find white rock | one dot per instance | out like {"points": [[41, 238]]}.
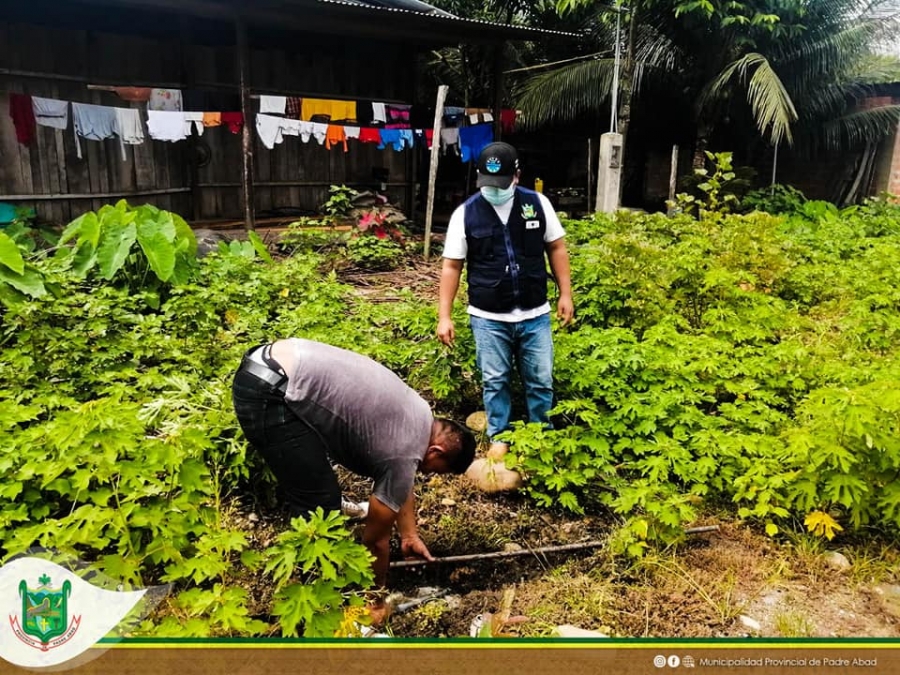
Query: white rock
{"points": [[749, 623], [446, 501], [570, 631], [511, 546], [836, 560]]}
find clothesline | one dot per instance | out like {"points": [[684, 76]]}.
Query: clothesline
{"points": [[330, 122]]}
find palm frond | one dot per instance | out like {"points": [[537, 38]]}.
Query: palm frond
{"points": [[861, 126], [772, 107], [563, 94]]}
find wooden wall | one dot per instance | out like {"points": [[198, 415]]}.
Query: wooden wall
{"points": [[58, 58]]}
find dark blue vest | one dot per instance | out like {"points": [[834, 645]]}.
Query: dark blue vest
{"points": [[506, 264]]}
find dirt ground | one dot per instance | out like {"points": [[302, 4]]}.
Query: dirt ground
{"points": [[735, 581]]}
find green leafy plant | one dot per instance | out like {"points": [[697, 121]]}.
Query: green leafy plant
{"points": [[374, 253], [339, 203]]}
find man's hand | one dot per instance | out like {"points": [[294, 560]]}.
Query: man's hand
{"points": [[413, 547], [565, 309], [446, 332]]}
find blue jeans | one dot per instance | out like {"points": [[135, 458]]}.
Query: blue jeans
{"points": [[531, 344]]}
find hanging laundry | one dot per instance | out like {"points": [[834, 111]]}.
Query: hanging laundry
{"points": [[472, 140], [306, 129], [165, 99], [290, 127], [352, 132], [395, 138], [453, 116], [272, 104], [487, 117], [378, 113], [212, 119], [508, 120], [93, 122], [397, 113], [292, 108], [129, 128], [197, 119], [319, 132], [166, 125], [369, 135], [364, 113], [473, 118], [269, 129], [133, 94], [450, 140], [234, 121], [50, 112], [335, 135], [406, 138], [21, 110], [335, 110], [425, 136]]}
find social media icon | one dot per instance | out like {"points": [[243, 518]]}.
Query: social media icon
{"points": [[659, 661], [674, 661], [688, 662]]}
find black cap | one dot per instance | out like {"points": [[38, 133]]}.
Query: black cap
{"points": [[497, 165]]}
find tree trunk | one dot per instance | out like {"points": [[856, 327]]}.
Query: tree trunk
{"points": [[700, 147]]}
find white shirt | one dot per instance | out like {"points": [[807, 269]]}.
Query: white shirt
{"points": [[456, 248]]}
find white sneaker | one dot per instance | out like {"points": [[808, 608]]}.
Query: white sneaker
{"points": [[354, 510]]}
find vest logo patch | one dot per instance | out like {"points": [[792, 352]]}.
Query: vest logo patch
{"points": [[528, 211], [532, 224]]}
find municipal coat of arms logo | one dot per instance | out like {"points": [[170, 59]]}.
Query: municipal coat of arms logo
{"points": [[44, 617], [528, 211]]}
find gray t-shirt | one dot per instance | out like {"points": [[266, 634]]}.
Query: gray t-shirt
{"points": [[372, 422]]}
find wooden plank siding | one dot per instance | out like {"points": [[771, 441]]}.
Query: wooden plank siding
{"points": [[71, 57]]}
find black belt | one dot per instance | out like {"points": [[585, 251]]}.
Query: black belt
{"points": [[276, 378]]}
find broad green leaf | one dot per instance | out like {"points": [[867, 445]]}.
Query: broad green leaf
{"points": [[10, 254], [115, 246], [260, 247], [158, 248], [30, 282]]}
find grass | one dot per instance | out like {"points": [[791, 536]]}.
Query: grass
{"points": [[793, 623]]}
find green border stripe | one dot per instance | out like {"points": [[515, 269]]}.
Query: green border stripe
{"points": [[511, 643]]}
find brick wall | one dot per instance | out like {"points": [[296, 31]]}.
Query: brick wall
{"points": [[893, 183]]}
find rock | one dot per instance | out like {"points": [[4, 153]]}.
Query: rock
{"points": [[511, 546], [493, 477], [477, 421], [446, 501], [890, 594], [569, 631], [253, 518], [749, 623], [497, 451], [836, 560], [208, 241]]}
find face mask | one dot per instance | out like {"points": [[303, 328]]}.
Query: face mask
{"points": [[498, 196]]}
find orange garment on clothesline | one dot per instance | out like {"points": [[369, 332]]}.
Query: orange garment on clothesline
{"points": [[212, 119], [336, 110], [335, 135]]}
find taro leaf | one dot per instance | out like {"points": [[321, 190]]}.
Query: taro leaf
{"points": [[159, 249], [84, 259], [74, 228], [10, 254], [115, 246], [184, 232], [30, 282]]}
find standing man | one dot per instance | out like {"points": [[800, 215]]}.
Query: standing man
{"points": [[303, 405], [503, 232]]}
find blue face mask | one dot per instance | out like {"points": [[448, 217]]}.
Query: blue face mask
{"points": [[496, 195]]}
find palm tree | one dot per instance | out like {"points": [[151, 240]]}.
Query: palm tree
{"points": [[802, 66]]}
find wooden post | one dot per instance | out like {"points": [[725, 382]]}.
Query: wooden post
{"points": [[673, 173], [589, 159], [432, 171], [247, 194], [187, 76]]}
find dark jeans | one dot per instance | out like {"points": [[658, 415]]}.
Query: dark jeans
{"points": [[292, 449]]}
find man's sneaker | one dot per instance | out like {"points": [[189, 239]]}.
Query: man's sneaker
{"points": [[354, 510]]}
